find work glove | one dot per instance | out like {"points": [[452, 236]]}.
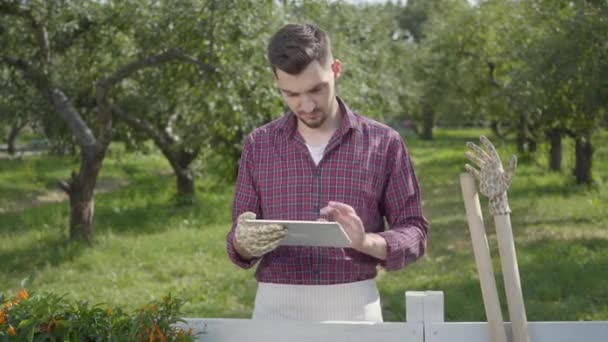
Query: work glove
{"points": [[493, 179], [255, 238]]}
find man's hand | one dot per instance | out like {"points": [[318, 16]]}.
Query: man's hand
{"points": [[493, 179], [346, 216], [257, 239]]}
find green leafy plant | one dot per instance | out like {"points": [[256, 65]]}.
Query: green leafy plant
{"points": [[50, 317]]}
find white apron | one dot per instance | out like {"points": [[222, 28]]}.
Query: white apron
{"points": [[358, 301]]}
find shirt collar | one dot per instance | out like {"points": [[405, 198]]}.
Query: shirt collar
{"points": [[288, 123]]}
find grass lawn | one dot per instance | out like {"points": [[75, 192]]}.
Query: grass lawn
{"points": [[146, 247]]}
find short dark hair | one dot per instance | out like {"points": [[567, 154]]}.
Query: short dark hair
{"points": [[295, 46]]}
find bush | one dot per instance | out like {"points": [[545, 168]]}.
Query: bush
{"points": [[49, 317]]}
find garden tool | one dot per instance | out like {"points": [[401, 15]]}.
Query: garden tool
{"points": [[493, 183]]}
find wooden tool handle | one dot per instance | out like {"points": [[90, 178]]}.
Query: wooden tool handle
{"points": [[510, 271], [483, 258]]}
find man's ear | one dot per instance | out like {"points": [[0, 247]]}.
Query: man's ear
{"points": [[336, 68]]}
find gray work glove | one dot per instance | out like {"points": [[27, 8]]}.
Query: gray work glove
{"points": [[493, 179], [258, 239]]}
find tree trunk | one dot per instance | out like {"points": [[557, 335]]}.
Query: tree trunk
{"points": [[521, 135], [495, 127], [185, 186], [532, 145], [584, 153], [81, 192], [82, 209], [180, 163], [555, 153], [12, 137], [428, 121]]}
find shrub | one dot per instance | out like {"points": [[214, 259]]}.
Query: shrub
{"points": [[50, 317]]}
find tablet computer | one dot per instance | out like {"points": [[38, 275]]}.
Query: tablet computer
{"points": [[311, 233]]}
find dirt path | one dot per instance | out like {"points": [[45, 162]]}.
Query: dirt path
{"points": [[54, 196]]}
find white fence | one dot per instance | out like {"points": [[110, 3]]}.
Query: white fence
{"points": [[424, 315]]}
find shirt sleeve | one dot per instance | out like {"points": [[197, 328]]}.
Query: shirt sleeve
{"points": [[406, 237], [245, 199]]}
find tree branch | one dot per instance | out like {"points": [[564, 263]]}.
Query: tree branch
{"points": [[30, 72], [493, 81], [211, 32], [142, 125], [42, 37], [70, 115], [60, 101], [103, 86]]}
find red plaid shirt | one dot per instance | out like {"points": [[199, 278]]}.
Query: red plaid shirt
{"points": [[365, 165]]}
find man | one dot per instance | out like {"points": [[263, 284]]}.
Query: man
{"points": [[322, 161]]}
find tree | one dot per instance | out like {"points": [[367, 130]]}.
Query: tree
{"points": [[564, 69], [367, 41], [192, 115], [53, 29], [437, 31], [18, 106]]}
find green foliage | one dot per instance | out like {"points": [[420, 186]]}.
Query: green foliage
{"points": [[367, 41], [50, 317]]}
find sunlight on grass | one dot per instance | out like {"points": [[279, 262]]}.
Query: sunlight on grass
{"points": [[146, 246]]}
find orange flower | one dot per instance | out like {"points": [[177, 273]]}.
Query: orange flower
{"points": [[23, 294], [2, 317], [7, 305], [11, 331], [152, 308]]}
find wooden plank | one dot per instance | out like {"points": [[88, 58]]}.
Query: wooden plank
{"points": [[433, 306], [596, 331], [227, 330], [414, 306]]}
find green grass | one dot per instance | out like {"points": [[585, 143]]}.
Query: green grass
{"points": [[147, 247]]}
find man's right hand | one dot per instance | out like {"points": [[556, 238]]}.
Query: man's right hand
{"points": [[256, 240]]}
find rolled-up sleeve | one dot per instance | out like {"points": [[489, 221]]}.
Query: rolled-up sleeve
{"points": [[401, 204], [245, 199]]}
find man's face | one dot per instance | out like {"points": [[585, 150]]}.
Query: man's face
{"points": [[310, 94]]}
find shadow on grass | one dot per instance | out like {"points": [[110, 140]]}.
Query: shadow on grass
{"points": [[150, 208], [21, 262], [547, 190]]}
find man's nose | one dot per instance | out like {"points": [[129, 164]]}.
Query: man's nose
{"points": [[307, 105]]}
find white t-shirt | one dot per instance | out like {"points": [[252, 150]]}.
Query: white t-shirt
{"points": [[316, 152]]}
